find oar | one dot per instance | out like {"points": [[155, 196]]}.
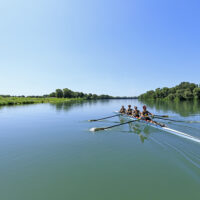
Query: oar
{"points": [[161, 115], [93, 120], [169, 119], [104, 128], [172, 120]]}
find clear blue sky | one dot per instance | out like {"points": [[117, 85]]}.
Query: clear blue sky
{"points": [[116, 47]]}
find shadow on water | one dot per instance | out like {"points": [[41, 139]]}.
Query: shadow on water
{"points": [[184, 108]]}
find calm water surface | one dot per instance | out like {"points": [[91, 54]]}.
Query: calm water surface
{"points": [[47, 152]]}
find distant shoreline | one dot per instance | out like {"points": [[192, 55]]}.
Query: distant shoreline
{"points": [[13, 100], [59, 96]]}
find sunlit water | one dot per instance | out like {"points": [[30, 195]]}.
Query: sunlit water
{"points": [[47, 152]]}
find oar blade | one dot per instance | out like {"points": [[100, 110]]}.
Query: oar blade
{"points": [[96, 129], [92, 120], [161, 115]]}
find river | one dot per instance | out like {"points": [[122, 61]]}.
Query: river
{"points": [[47, 152]]}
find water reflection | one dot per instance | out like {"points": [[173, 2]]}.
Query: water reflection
{"points": [[66, 106], [142, 131], [185, 108], [138, 130]]}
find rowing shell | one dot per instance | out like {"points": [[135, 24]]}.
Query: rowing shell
{"points": [[165, 128]]}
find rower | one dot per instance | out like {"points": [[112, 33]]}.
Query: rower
{"points": [[145, 115], [129, 110], [136, 112], [122, 110]]}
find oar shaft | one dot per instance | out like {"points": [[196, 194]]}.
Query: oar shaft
{"points": [[110, 116], [172, 120], [119, 124], [168, 119], [161, 115], [104, 118], [103, 128]]}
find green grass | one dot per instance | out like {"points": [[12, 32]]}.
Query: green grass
{"points": [[29, 100]]}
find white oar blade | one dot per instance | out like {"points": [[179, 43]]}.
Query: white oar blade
{"points": [[97, 129], [93, 129]]}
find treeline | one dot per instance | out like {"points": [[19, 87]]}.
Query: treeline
{"points": [[183, 91], [67, 93]]}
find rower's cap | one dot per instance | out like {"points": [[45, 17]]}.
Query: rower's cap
{"points": [[144, 107]]}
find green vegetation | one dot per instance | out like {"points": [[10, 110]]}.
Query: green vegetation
{"points": [[59, 96], [31, 100], [67, 93], [183, 91]]}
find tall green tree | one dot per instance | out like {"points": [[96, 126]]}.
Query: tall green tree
{"points": [[67, 93], [59, 93], [188, 95], [179, 94], [171, 97], [196, 93]]}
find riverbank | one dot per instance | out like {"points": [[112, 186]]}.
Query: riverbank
{"points": [[183, 92], [4, 101]]}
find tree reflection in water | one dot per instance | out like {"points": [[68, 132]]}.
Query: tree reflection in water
{"points": [[183, 108]]}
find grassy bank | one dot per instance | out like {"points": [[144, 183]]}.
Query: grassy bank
{"points": [[31, 100]]}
